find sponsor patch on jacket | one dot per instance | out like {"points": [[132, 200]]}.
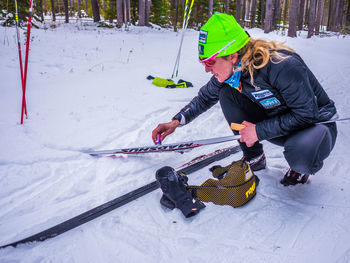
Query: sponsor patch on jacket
{"points": [[261, 94], [270, 103], [203, 37]]}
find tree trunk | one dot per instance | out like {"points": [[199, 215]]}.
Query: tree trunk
{"points": [[134, 7], [253, 13], [342, 14], [211, 4], [247, 9], [120, 16], [285, 11], [268, 16], [331, 12], [262, 2], [277, 13], [95, 10], [306, 12], [227, 6], [312, 17], [86, 6], [176, 16], [66, 11], [112, 6], [337, 15], [334, 16], [79, 8], [319, 16], [148, 10], [53, 10], [347, 20], [238, 11], [39, 9], [45, 7], [71, 9], [293, 16], [142, 12], [243, 13], [128, 12], [146, 14], [124, 14], [301, 14]]}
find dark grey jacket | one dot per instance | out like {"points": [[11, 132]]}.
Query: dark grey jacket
{"points": [[287, 92]]}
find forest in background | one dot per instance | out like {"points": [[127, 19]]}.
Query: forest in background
{"points": [[315, 16]]}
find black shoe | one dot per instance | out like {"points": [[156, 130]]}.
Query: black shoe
{"points": [[166, 202], [293, 178], [174, 187], [257, 163]]}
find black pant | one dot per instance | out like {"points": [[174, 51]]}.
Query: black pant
{"points": [[305, 149]]}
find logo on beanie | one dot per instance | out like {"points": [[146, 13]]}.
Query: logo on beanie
{"points": [[201, 49], [203, 37]]}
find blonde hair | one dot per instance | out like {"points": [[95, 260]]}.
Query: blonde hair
{"points": [[257, 53]]}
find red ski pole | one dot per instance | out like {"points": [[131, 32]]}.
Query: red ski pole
{"points": [[24, 106], [20, 56]]}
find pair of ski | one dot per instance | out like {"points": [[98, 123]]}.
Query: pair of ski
{"points": [[182, 147], [174, 147], [186, 168]]}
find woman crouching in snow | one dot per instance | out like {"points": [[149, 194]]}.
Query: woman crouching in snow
{"points": [[268, 88]]}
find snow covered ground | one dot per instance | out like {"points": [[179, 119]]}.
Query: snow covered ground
{"points": [[87, 88]]}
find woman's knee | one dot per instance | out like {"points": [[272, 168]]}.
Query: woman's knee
{"points": [[306, 150]]}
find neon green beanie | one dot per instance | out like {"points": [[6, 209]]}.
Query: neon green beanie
{"points": [[217, 32]]}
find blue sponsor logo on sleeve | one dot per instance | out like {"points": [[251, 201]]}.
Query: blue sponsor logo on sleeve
{"points": [[270, 103], [261, 94]]}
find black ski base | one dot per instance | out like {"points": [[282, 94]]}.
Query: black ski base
{"points": [[85, 217]]}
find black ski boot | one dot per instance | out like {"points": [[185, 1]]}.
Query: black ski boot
{"points": [[174, 190], [293, 178], [166, 202], [258, 163]]}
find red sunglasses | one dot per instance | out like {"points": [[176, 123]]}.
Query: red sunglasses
{"points": [[210, 61]]}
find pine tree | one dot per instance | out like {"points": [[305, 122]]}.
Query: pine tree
{"points": [[142, 12], [120, 16], [319, 16], [211, 7], [227, 7], [347, 20], [95, 10], [110, 12], [277, 13], [301, 14], [8, 8], [312, 18], [243, 13], [159, 10], [79, 8], [238, 10], [293, 16], [53, 10], [253, 13], [66, 11], [268, 16], [262, 3]]}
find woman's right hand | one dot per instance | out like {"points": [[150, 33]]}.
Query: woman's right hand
{"points": [[165, 129]]}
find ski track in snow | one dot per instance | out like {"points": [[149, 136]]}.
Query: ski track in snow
{"points": [[87, 90]]}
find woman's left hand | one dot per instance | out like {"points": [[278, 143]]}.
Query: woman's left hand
{"points": [[248, 134]]}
